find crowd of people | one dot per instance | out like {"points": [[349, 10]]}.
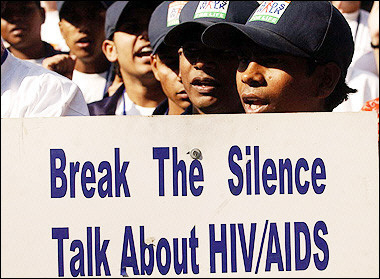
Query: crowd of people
{"points": [[79, 58]]}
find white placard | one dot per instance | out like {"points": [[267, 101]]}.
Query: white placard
{"points": [[270, 195]]}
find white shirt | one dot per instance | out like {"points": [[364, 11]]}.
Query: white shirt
{"points": [[91, 85], [36, 61], [50, 31], [124, 104], [362, 74], [28, 90], [364, 57]]}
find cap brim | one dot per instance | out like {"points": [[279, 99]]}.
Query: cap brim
{"points": [[113, 16], [157, 43], [60, 4], [230, 35], [183, 32]]}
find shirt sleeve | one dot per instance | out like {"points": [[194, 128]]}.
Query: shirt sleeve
{"points": [[58, 96]]}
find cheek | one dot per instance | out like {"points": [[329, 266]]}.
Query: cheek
{"points": [[124, 50], [168, 79], [4, 27], [290, 92], [184, 69], [228, 67], [125, 44], [239, 84], [36, 21], [278, 79], [100, 36], [67, 33], [167, 76]]}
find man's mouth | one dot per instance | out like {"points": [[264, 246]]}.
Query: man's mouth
{"points": [[18, 30], [205, 85], [182, 94], [254, 104], [84, 42], [144, 52]]}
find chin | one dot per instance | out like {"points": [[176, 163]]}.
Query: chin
{"points": [[149, 78]]}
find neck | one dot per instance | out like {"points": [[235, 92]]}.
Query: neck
{"points": [[351, 16], [35, 51], [197, 110], [237, 108], [93, 66], [2, 47], [174, 109], [144, 94]]}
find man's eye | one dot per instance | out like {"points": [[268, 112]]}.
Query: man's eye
{"points": [[170, 61], [243, 59], [192, 52], [269, 61], [130, 28], [243, 63], [229, 52], [193, 46], [192, 49]]}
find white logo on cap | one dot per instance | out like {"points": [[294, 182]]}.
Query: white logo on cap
{"points": [[270, 11], [174, 11], [215, 9]]}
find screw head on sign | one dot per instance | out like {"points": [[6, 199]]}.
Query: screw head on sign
{"points": [[195, 153]]}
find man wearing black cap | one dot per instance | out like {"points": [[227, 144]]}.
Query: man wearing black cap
{"points": [[293, 56], [164, 59], [128, 46], [208, 75]]}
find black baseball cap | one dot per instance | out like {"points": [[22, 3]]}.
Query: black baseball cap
{"points": [[310, 29], [62, 5], [198, 15], [164, 18], [118, 8]]}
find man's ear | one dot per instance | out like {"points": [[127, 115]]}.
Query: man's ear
{"points": [[43, 15], [109, 50], [180, 53], [328, 77], [61, 28], [153, 61]]}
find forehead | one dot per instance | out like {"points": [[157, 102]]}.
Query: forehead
{"points": [[15, 6], [74, 9], [167, 51], [248, 47], [135, 14]]}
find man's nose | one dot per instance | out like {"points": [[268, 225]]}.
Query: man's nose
{"points": [[144, 35], [205, 60], [253, 75]]}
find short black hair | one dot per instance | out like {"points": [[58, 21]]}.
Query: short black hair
{"points": [[340, 93], [4, 5]]}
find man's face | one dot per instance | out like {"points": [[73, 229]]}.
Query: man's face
{"points": [[208, 76], [347, 6], [21, 23], [165, 68], [269, 82], [132, 44], [82, 27]]}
